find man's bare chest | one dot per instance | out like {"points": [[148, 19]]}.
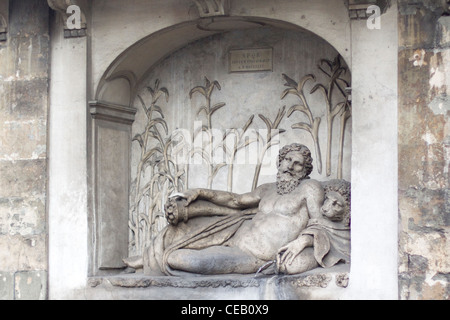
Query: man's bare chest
{"points": [[286, 205]]}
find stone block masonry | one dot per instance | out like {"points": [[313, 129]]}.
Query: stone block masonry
{"points": [[424, 107], [24, 76]]}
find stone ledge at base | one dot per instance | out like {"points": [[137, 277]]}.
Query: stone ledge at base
{"points": [[319, 284]]}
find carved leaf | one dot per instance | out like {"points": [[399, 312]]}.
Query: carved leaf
{"points": [[337, 62], [304, 80], [315, 127], [156, 84], [337, 73], [266, 121], [144, 107], [152, 134], [249, 122], [247, 143], [152, 92], [327, 62], [198, 89], [289, 91], [207, 82], [346, 112], [180, 173], [303, 126], [202, 153], [337, 109], [346, 83], [139, 139], [202, 108], [319, 86], [150, 153], [297, 107], [160, 121], [163, 91], [157, 109], [210, 87], [279, 117], [217, 168], [166, 148], [289, 81], [217, 107]]}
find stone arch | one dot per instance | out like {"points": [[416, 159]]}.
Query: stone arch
{"points": [[131, 66]]}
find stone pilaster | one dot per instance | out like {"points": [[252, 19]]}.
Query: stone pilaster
{"points": [[110, 163]]}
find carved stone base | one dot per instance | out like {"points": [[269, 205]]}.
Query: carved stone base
{"points": [[319, 284]]}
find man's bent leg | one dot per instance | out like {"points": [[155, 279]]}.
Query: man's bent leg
{"points": [[214, 260]]}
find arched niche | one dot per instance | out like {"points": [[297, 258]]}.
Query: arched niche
{"points": [[135, 62], [123, 94]]}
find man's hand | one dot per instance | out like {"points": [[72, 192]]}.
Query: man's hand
{"points": [[190, 196], [288, 253]]}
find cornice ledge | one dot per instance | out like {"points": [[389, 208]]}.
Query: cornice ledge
{"points": [[103, 110]]}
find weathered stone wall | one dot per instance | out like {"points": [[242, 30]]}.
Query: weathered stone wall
{"points": [[23, 151], [424, 146]]}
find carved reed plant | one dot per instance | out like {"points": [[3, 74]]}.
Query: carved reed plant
{"points": [[209, 110], [268, 142], [297, 89], [343, 108], [240, 142], [166, 177]]}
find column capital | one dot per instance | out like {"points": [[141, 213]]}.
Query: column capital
{"points": [[357, 9], [70, 10]]}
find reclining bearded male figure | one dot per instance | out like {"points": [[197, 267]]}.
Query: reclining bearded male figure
{"points": [[217, 232]]}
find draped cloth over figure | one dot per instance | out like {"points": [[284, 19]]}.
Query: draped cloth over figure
{"points": [[220, 232], [331, 241], [198, 233]]}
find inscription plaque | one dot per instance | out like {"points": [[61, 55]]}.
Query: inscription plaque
{"points": [[251, 60]]}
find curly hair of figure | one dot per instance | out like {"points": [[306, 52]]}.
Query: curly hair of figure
{"points": [[306, 153]]}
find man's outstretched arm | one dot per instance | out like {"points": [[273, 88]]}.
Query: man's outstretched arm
{"points": [[223, 198]]}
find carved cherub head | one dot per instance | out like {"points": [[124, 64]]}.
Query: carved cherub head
{"points": [[337, 204]]}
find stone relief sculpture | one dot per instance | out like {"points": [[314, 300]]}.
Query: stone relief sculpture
{"points": [[159, 151], [293, 225]]}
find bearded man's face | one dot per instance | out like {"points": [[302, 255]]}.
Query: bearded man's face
{"points": [[291, 172]]}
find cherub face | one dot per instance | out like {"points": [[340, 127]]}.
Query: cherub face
{"points": [[334, 207]]}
